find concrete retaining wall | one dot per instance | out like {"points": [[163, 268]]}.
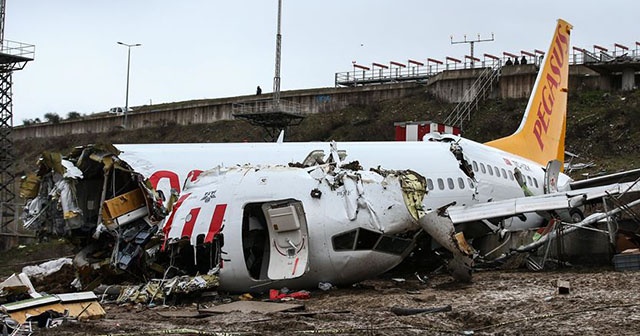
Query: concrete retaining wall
{"points": [[450, 86], [212, 110]]}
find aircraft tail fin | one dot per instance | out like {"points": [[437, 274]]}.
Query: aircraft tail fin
{"points": [[540, 136]]}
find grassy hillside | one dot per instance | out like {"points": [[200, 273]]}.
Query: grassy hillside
{"points": [[602, 127]]}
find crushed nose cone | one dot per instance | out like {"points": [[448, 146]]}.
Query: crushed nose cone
{"points": [[441, 229]]}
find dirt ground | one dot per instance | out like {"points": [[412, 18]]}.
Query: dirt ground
{"points": [[601, 301]]}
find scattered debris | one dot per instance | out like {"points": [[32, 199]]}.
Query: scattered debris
{"points": [[325, 286], [17, 287], [159, 289], [284, 295], [628, 260], [398, 281], [50, 311], [47, 268], [564, 287]]}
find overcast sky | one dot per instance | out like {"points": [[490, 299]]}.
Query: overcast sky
{"points": [[194, 49]]}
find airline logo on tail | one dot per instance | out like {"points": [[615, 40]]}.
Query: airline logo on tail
{"points": [[553, 75], [540, 136]]}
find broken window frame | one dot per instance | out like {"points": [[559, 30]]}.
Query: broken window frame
{"points": [[385, 243]]}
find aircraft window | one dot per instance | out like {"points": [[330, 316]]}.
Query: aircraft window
{"points": [[461, 182], [484, 171], [490, 170], [511, 175], [440, 184], [344, 241], [497, 171], [450, 183], [393, 245], [429, 184], [475, 166], [529, 179], [470, 183], [367, 239], [535, 182], [504, 174]]}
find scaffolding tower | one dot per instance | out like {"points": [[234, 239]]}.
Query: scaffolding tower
{"points": [[14, 56]]}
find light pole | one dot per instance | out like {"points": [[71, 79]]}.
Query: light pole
{"points": [[126, 102]]}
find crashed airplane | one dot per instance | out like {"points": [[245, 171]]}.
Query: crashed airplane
{"points": [[297, 214]]}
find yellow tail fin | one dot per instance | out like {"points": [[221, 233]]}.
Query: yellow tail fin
{"points": [[540, 136]]}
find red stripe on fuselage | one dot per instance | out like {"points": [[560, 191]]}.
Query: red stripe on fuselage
{"points": [[216, 222], [187, 230], [167, 225]]}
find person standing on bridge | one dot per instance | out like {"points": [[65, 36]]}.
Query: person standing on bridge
{"points": [[258, 91]]}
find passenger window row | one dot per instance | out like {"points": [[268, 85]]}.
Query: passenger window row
{"points": [[451, 184], [501, 172]]}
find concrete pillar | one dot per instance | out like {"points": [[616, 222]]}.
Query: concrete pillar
{"points": [[628, 79]]}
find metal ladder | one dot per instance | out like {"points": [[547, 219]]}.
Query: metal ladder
{"points": [[472, 97]]}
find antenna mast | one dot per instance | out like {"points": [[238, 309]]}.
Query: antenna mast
{"points": [[3, 5], [471, 43], [276, 78]]}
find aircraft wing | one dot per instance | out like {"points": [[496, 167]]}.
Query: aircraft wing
{"points": [[547, 202], [625, 176]]}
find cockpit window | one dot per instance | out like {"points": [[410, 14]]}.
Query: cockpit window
{"points": [[344, 241], [367, 240]]}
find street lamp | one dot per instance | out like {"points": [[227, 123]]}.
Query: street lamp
{"points": [[126, 103]]}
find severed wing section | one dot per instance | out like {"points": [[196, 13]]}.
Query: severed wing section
{"points": [[542, 203]]}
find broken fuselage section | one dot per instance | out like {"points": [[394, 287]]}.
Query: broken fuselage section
{"points": [[107, 210], [297, 227]]}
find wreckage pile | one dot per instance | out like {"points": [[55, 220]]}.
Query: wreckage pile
{"points": [[116, 226]]}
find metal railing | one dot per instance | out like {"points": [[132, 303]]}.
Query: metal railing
{"points": [[361, 77], [267, 106], [391, 74], [586, 56], [19, 49]]}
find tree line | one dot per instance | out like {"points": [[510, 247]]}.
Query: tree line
{"points": [[52, 117]]}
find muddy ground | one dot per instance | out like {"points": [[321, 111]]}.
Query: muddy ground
{"points": [[601, 301]]}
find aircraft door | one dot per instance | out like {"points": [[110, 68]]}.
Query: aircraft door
{"points": [[288, 239]]}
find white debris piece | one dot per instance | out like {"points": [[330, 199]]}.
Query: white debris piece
{"points": [[71, 171], [45, 269]]}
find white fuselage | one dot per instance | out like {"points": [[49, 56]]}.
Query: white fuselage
{"points": [[446, 182], [433, 160]]}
